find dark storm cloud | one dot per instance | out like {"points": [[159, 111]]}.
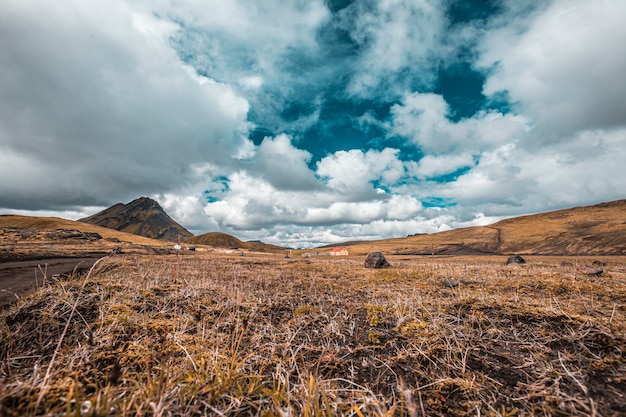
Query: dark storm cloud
{"points": [[96, 107]]}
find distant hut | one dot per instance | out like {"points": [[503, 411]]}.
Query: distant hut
{"points": [[339, 251]]}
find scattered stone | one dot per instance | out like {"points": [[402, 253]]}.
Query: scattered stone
{"points": [[567, 264], [117, 250], [376, 260], [515, 259], [599, 262], [591, 271], [450, 283], [73, 234]]}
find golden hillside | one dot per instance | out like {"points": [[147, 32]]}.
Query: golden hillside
{"points": [[592, 230], [28, 237]]}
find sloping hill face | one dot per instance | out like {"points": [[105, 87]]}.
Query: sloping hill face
{"points": [[25, 238], [223, 240], [143, 217], [597, 230], [30, 226], [593, 230]]}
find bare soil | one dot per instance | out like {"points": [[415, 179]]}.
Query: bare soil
{"points": [[19, 277]]}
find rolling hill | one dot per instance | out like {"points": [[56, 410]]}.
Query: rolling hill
{"points": [[223, 240], [27, 237], [143, 217], [591, 230], [51, 224]]}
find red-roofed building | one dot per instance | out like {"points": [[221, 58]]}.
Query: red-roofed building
{"points": [[339, 251]]}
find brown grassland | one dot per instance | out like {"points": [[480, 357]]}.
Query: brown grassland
{"points": [[206, 333]]}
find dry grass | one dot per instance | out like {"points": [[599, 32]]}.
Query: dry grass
{"points": [[593, 230], [211, 335]]}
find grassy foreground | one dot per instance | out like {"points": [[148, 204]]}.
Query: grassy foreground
{"points": [[210, 335]]}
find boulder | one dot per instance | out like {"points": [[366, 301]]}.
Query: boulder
{"points": [[590, 270], [450, 283], [515, 259], [376, 260]]}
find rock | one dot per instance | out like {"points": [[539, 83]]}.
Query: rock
{"points": [[591, 271], [515, 259], [376, 260], [73, 234], [599, 262], [450, 283], [567, 264]]}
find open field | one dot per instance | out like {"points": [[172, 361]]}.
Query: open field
{"points": [[210, 334]]}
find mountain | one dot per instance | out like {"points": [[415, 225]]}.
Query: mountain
{"points": [[143, 217], [223, 240], [591, 230]]}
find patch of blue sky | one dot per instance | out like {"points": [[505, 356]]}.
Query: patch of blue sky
{"points": [[218, 188], [452, 176], [259, 133], [437, 202], [337, 5], [461, 12], [210, 198], [461, 87], [339, 127]]}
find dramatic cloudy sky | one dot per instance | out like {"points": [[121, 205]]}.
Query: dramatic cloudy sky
{"points": [[302, 122]]}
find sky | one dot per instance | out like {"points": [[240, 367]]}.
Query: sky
{"points": [[311, 122]]}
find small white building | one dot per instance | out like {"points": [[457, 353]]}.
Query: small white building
{"points": [[339, 251]]}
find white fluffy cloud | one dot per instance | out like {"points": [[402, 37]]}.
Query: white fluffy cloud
{"points": [[566, 69], [353, 172], [345, 194], [394, 43], [248, 44], [283, 165], [422, 118], [437, 165]]}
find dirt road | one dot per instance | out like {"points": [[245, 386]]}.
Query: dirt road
{"points": [[18, 277]]}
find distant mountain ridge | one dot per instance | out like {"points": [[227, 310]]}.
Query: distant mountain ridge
{"points": [[143, 217]]}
